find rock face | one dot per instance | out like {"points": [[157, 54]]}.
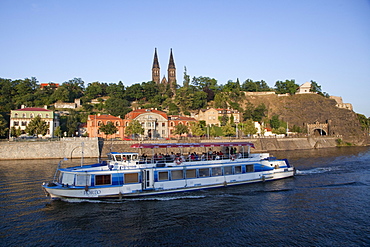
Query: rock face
{"points": [[303, 109]]}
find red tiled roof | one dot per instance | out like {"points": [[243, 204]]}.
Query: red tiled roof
{"points": [[137, 112], [32, 109]]}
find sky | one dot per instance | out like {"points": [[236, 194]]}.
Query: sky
{"points": [[327, 41]]}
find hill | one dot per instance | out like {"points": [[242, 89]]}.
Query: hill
{"points": [[303, 109]]}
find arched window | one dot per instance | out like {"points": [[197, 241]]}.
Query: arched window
{"points": [[99, 123], [117, 123], [31, 115], [16, 115]]}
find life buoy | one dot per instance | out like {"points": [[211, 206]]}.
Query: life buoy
{"points": [[178, 161], [232, 157]]}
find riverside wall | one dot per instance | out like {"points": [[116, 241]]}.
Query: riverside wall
{"points": [[64, 148], [92, 147]]}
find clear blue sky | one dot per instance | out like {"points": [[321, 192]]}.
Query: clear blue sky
{"points": [[327, 41]]}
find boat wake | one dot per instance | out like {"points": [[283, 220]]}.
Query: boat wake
{"points": [[316, 170]]}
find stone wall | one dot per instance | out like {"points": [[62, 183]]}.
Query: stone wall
{"points": [[65, 148]]}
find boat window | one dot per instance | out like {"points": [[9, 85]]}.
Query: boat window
{"points": [[216, 171], [191, 173], [204, 172], [103, 179], [179, 174], [250, 168], [228, 170], [163, 175], [118, 157], [83, 180], [238, 169], [68, 178], [131, 178]]}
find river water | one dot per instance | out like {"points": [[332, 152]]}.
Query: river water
{"points": [[326, 204]]}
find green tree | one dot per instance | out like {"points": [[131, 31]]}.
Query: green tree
{"points": [[134, 128], [280, 130], [197, 129], [228, 130], [37, 127], [3, 127], [181, 129], [248, 127], [259, 112], [58, 131], [289, 86], [117, 106], [108, 129], [275, 122]]}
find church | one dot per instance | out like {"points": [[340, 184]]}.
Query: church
{"points": [[171, 71]]}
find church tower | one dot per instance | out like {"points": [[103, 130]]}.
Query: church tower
{"points": [[156, 70], [171, 70]]}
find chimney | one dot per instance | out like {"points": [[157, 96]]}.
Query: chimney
{"points": [[23, 106]]}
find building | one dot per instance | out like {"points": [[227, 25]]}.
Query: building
{"points": [[212, 116], [65, 105], [171, 71], [20, 118], [304, 88], [50, 85], [95, 121], [154, 122]]}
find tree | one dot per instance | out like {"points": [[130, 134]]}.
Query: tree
{"points": [[3, 127], [134, 128], [248, 127], [181, 129], [108, 129], [289, 86], [37, 127], [228, 130], [58, 131], [197, 129], [275, 122], [259, 112]]}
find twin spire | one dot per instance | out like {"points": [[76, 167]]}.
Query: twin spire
{"points": [[171, 71]]}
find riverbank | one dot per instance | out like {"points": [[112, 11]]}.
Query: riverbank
{"points": [[94, 148]]}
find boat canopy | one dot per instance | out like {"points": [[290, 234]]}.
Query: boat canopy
{"points": [[181, 145]]}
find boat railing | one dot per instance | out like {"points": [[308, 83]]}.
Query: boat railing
{"points": [[191, 158]]}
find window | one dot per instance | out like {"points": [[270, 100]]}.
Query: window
{"points": [[228, 170], [177, 174], [16, 115], [238, 169], [16, 123], [47, 115], [190, 173], [250, 168], [216, 171], [163, 124], [24, 123], [204, 172], [103, 179], [83, 179], [31, 115], [24, 115], [162, 176], [99, 123], [131, 178], [117, 123]]}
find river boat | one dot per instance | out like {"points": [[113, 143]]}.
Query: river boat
{"points": [[133, 174]]}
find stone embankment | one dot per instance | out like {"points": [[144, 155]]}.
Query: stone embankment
{"points": [[65, 148], [92, 147]]}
